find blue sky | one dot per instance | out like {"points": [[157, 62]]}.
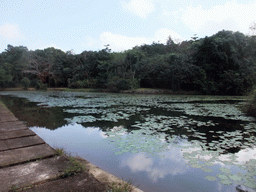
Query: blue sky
{"points": [[80, 25]]}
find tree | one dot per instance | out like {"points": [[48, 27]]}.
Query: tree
{"points": [[25, 82], [153, 49], [5, 79], [171, 47], [63, 68], [223, 57], [13, 61], [39, 65]]}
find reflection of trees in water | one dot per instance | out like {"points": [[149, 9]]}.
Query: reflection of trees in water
{"points": [[149, 125], [127, 111], [33, 115]]}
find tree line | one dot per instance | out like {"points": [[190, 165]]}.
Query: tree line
{"points": [[224, 64]]}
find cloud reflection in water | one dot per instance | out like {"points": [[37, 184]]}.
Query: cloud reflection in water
{"points": [[157, 167]]}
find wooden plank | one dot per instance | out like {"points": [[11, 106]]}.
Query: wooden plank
{"points": [[6, 115], [12, 126], [32, 172], [11, 123], [16, 134], [5, 129], [20, 142], [21, 155], [7, 118], [3, 146]]}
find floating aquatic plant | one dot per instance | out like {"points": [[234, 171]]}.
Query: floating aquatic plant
{"points": [[225, 170], [226, 181], [210, 178], [189, 123]]}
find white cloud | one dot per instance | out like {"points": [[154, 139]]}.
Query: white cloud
{"points": [[138, 162], [139, 7], [171, 17], [119, 42], [230, 16], [11, 31], [172, 164]]}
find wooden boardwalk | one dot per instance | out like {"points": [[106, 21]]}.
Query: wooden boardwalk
{"points": [[25, 159]]}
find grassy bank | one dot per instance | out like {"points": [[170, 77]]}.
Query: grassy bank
{"points": [[135, 91]]}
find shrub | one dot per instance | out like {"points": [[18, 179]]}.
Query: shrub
{"points": [[41, 86], [116, 84], [25, 83], [59, 151], [86, 83], [78, 84], [33, 82], [123, 84], [134, 83]]}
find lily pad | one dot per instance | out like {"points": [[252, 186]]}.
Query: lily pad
{"points": [[221, 176], [226, 182], [235, 177], [210, 178], [225, 170], [196, 165], [206, 169]]}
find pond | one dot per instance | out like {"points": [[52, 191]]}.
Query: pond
{"points": [[159, 142]]}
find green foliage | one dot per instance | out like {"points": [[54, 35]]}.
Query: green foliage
{"points": [[81, 84], [115, 84], [14, 60], [14, 188], [25, 83], [5, 79], [59, 151], [41, 86], [223, 63], [133, 84], [153, 49], [75, 167], [122, 84], [121, 187], [86, 83]]}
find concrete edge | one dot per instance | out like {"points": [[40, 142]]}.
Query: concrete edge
{"points": [[98, 173], [104, 176]]}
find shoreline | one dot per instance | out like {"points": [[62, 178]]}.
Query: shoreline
{"points": [[136, 91]]}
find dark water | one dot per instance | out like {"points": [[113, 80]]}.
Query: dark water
{"points": [[161, 143]]}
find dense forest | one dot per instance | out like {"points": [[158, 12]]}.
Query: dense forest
{"points": [[224, 64]]}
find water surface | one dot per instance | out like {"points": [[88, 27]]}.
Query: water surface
{"points": [[160, 142]]}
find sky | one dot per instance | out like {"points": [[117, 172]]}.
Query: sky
{"points": [[79, 25]]}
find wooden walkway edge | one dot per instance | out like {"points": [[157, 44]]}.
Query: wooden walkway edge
{"points": [[25, 159]]}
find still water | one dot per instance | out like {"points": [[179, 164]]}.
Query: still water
{"points": [[159, 142]]}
